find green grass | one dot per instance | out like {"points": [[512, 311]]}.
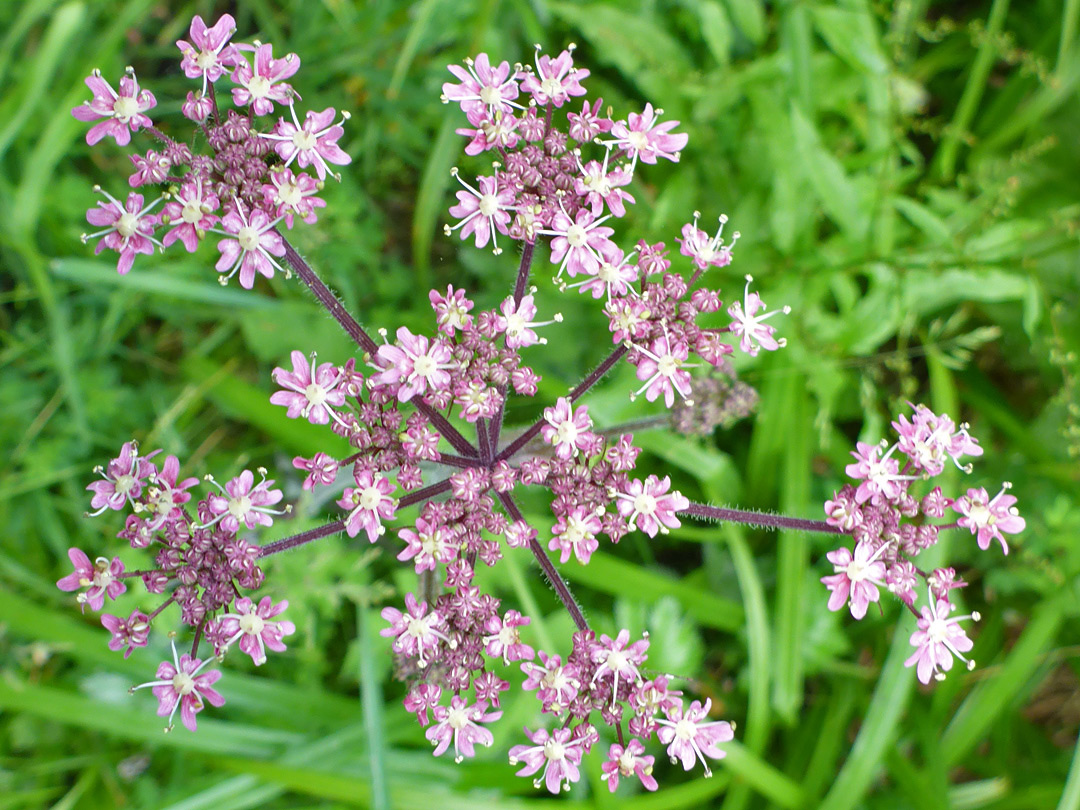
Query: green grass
{"points": [[904, 175]]}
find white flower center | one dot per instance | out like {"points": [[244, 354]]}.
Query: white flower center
{"points": [[645, 504], [668, 365], [239, 507], [855, 571], [315, 394], [567, 432], [259, 87], [183, 684], [515, 324], [458, 719], [370, 498], [685, 730], [616, 661], [489, 204], [192, 212], [938, 631], [639, 141], [248, 238], [490, 95], [124, 108], [252, 624], [980, 515], [554, 750], [123, 484], [576, 235], [206, 60], [424, 366], [551, 87], [127, 224], [289, 194], [304, 140]]}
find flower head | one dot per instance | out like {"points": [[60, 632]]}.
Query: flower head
{"points": [[989, 518], [123, 111], [938, 639]]}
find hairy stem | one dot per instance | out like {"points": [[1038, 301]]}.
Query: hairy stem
{"points": [[326, 297], [594, 377], [562, 590], [761, 519], [298, 540]]}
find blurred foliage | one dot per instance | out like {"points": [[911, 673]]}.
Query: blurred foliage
{"points": [[904, 175]]}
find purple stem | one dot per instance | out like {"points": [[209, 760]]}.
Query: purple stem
{"points": [[593, 378], [330, 302], [760, 519], [520, 285], [562, 590], [424, 494], [298, 540]]}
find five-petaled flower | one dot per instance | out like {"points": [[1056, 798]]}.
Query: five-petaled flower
{"points": [[124, 112], [938, 639], [253, 627], [989, 518], [369, 504], [182, 684], [690, 736], [556, 753]]}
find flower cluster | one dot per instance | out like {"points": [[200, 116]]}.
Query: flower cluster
{"points": [[198, 563], [560, 175], [891, 527], [251, 177]]}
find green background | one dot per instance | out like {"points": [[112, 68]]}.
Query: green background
{"points": [[904, 175]]}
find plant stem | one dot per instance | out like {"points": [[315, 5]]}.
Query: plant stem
{"points": [[593, 378], [562, 590], [330, 302], [298, 540], [520, 285], [424, 494], [761, 519]]}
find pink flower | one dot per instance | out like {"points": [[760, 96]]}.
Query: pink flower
{"points": [[557, 684], [167, 494], [123, 111], [662, 370], [370, 504], [182, 684], [128, 228], [489, 131], [691, 737], [459, 724], [244, 502], [587, 124], [555, 80], [482, 88], [312, 144], [516, 321], [928, 439], [123, 479], [414, 365], [564, 429], [131, 632], [641, 136], [599, 186], [484, 211], [614, 275], [937, 640], [252, 625], [292, 195], [746, 324], [428, 546], [451, 310], [989, 519], [252, 249], [696, 244], [312, 396], [321, 470], [880, 476], [101, 579], [415, 632], [214, 53], [577, 242], [650, 506], [262, 86], [856, 579], [556, 753], [421, 698], [627, 762], [575, 534], [149, 168], [615, 660], [191, 214], [504, 639]]}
